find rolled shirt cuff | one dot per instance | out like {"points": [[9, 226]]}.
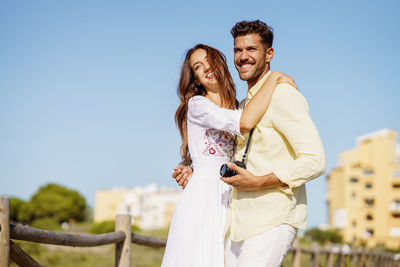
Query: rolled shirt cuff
{"points": [[283, 175]]}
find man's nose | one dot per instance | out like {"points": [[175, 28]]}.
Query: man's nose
{"points": [[243, 56]]}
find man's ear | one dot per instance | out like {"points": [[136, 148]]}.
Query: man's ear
{"points": [[270, 54]]}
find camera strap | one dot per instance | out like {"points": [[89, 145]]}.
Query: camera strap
{"points": [[247, 146], [248, 141], [246, 149]]}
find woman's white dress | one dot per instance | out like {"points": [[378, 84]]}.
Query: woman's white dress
{"points": [[195, 236]]}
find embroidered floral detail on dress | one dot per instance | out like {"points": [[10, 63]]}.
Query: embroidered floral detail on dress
{"points": [[218, 143]]}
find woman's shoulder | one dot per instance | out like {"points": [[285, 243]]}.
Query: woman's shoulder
{"points": [[199, 100]]}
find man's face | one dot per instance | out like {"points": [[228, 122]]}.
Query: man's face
{"points": [[251, 57]]}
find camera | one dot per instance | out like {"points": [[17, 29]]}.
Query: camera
{"points": [[225, 171]]}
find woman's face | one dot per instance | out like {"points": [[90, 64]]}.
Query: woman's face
{"points": [[203, 73]]}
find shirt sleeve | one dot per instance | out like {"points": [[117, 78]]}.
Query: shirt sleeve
{"points": [[290, 115], [203, 112]]}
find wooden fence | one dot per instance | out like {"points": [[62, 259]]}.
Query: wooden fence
{"points": [[123, 238]]}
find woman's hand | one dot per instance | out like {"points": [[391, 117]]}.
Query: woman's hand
{"points": [[283, 78], [182, 175]]}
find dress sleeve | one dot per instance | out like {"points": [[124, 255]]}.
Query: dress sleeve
{"points": [[203, 112]]}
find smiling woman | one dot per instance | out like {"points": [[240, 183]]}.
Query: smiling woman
{"points": [[207, 121]]}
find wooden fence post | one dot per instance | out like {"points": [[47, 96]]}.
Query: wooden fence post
{"points": [[341, 259], [362, 262], [315, 255], [331, 255], [296, 253], [4, 231], [123, 249]]}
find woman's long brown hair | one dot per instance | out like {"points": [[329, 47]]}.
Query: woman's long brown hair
{"points": [[187, 89]]}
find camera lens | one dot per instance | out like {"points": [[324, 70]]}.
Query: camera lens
{"points": [[222, 171]]}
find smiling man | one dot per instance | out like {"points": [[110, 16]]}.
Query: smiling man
{"points": [[268, 202]]}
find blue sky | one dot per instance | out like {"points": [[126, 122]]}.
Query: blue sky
{"points": [[88, 88]]}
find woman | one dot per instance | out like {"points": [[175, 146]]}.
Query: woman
{"points": [[207, 120]]}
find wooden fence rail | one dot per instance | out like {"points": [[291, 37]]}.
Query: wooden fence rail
{"points": [[123, 238]]}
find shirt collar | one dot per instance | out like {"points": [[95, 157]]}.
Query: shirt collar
{"points": [[253, 90]]}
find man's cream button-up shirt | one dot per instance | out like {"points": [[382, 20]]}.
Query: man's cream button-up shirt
{"points": [[285, 142]]}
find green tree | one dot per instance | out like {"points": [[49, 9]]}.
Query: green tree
{"points": [[53, 202], [15, 207], [324, 236]]}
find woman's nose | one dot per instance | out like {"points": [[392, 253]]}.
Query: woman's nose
{"points": [[207, 66]]}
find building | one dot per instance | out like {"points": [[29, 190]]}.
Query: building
{"points": [[150, 207], [364, 191]]}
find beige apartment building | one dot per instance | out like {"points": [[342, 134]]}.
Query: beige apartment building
{"points": [[364, 191], [150, 207]]}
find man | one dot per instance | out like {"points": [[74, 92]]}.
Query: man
{"points": [[268, 202]]}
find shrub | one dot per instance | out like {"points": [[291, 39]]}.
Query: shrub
{"points": [[324, 236], [46, 224], [107, 227], [102, 227]]}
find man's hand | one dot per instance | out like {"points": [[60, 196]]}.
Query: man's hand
{"points": [[246, 181], [182, 175]]}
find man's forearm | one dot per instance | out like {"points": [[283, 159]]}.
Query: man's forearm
{"points": [[269, 181]]}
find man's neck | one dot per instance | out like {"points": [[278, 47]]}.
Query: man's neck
{"points": [[250, 84]]}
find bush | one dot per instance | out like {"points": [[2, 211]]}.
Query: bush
{"points": [[324, 236], [46, 224], [107, 227], [102, 227], [15, 207], [56, 202]]}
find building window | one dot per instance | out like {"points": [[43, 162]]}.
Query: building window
{"points": [[369, 202], [369, 217], [353, 180], [354, 223], [353, 194], [340, 218], [396, 186], [368, 233], [368, 185], [368, 171], [396, 173], [395, 206], [356, 165], [395, 231], [396, 215]]}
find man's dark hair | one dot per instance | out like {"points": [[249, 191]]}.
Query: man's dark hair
{"points": [[256, 26]]}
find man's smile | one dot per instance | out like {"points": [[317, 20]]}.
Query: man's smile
{"points": [[245, 66]]}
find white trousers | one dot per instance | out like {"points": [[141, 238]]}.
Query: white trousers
{"points": [[265, 250]]}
